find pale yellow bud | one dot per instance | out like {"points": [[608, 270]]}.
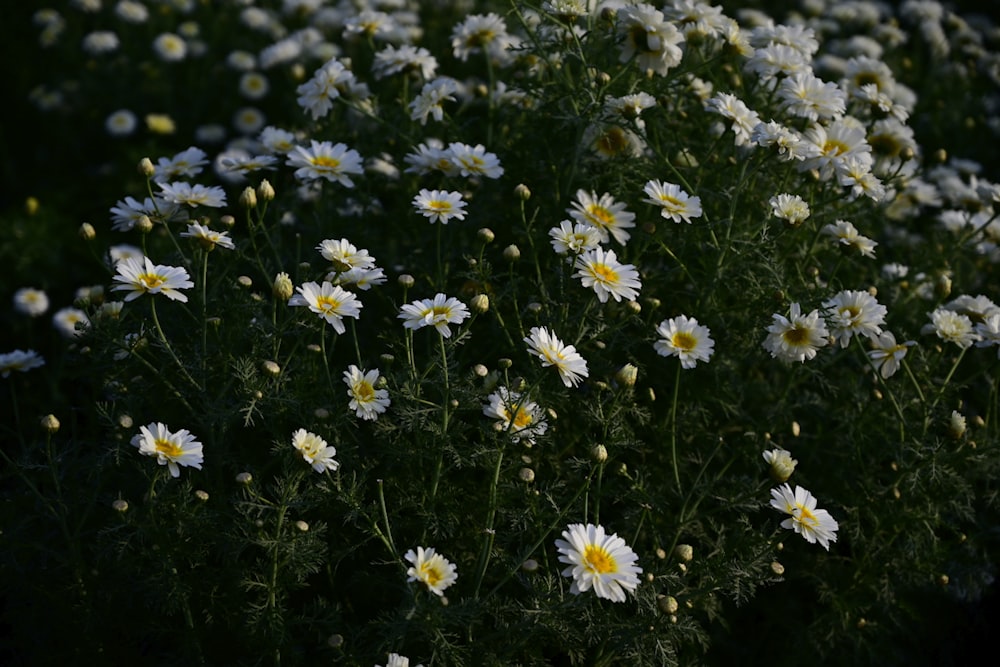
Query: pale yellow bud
{"points": [[283, 289]]}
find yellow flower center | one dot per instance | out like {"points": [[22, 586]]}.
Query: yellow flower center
{"points": [[796, 336], [807, 517], [604, 273], [684, 341], [600, 215], [834, 147], [364, 392], [671, 202], [439, 205], [325, 161], [522, 419], [596, 559], [440, 311], [168, 448], [327, 304], [151, 280], [430, 574], [613, 142]]}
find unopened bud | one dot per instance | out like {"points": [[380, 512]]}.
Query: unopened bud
{"points": [[271, 368], [530, 565], [685, 552], [782, 464], [796, 429], [144, 224], [227, 221], [406, 281], [125, 421], [627, 375], [667, 604], [486, 235], [302, 526], [265, 191], [50, 424], [245, 282], [248, 198], [480, 371], [282, 287], [504, 363], [335, 641], [244, 478], [321, 413], [512, 253], [201, 495], [119, 505], [480, 303], [87, 232], [956, 425], [522, 192], [777, 568], [526, 475], [599, 453], [146, 167]]}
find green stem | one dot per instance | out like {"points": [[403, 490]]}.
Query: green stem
{"points": [[484, 555], [673, 428], [169, 348], [445, 404]]}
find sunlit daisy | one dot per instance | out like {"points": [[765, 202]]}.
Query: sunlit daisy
{"points": [[429, 101], [334, 162], [847, 234], [481, 33], [315, 451], [185, 194], [599, 561], [70, 322], [329, 301], [363, 279], [552, 352], [440, 205], [886, 353], [141, 276], [796, 337], [674, 203], [815, 525], [684, 338], [790, 208], [608, 217], [852, 312], [344, 255], [649, 38], [438, 312], [951, 327], [522, 418], [186, 164], [170, 449], [208, 238], [474, 160], [575, 239], [431, 568], [366, 401], [600, 269], [781, 463], [19, 360]]}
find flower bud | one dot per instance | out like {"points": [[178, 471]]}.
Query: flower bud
{"points": [[667, 603], [782, 464], [335, 641], [322, 413], [684, 552], [526, 475], [244, 478], [530, 565], [50, 424], [956, 425], [144, 224], [245, 281], [265, 191], [486, 235], [119, 505], [627, 375], [201, 495], [146, 167], [504, 363], [480, 303], [87, 232], [282, 287], [125, 421], [302, 526], [599, 453], [31, 206], [271, 368], [227, 221], [248, 198], [512, 253], [522, 192], [777, 568], [406, 281]]}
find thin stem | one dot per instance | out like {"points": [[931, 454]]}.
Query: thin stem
{"points": [[166, 344], [444, 417], [673, 428], [484, 555]]}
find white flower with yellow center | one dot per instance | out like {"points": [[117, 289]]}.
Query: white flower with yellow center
{"points": [[853, 312], [601, 270], [796, 337], [684, 338], [569, 238], [599, 561], [515, 414], [886, 353], [847, 234], [815, 525], [170, 449], [185, 194], [547, 347], [790, 208], [334, 162], [440, 205], [474, 160], [19, 360], [603, 213], [208, 238], [329, 301], [366, 401], [315, 451], [431, 568], [31, 302], [140, 276], [674, 203], [438, 312], [952, 327]]}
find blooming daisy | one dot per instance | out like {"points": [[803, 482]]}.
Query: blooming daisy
{"points": [[396, 660], [989, 332], [653, 41], [815, 525], [431, 568], [363, 279], [438, 312], [569, 238], [599, 561], [674, 203], [366, 401], [318, 93], [19, 360], [428, 102], [344, 255], [601, 270], [208, 238], [852, 312], [781, 462], [329, 301], [796, 337], [515, 414], [684, 338], [140, 276], [603, 213], [428, 157], [886, 353], [170, 47], [481, 33], [186, 164], [806, 96], [322, 159], [407, 58], [440, 205], [121, 123], [547, 347], [952, 327], [743, 118], [847, 234], [170, 449], [474, 160], [315, 451], [31, 302], [185, 194], [790, 208]]}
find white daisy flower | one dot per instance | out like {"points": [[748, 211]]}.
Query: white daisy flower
{"points": [[552, 352], [431, 568], [599, 561], [684, 338], [815, 525]]}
